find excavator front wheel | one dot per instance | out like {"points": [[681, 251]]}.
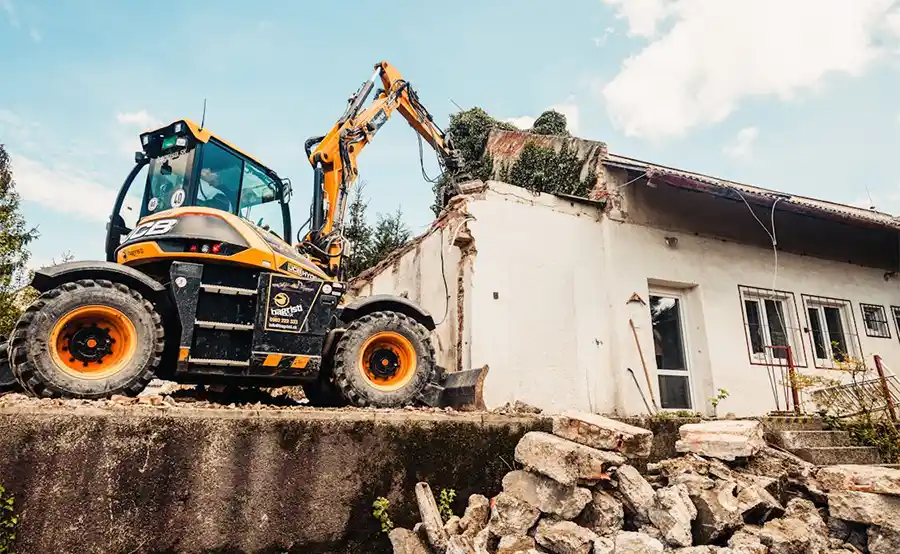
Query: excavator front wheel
{"points": [[87, 339], [8, 381], [384, 359]]}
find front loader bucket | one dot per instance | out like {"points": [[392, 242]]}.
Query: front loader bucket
{"points": [[460, 390]]}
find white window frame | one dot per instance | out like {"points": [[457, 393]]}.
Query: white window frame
{"points": [[848, 328], [791, 326], [685, 345]]}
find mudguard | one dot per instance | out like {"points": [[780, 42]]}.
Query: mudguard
{"points": [[52, 276], [385, 302]]}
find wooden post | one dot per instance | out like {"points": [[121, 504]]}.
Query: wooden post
{"points": [[795, 394], [885, 389]]}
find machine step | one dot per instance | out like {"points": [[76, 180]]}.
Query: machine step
{"points": [[224, 326], [213, 361], [222, 289]]}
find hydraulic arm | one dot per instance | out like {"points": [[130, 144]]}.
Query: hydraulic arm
{"points": [[333, 156]]}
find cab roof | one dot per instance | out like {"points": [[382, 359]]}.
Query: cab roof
{"points": [[203, 135]]}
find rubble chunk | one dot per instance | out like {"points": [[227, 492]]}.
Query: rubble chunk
{"points": [[672, 513], [545, 494], [723, 439], [511, 516], [745, 542], [792, 536], [520, 544], [481, 540], [567, 462], [603, 433], [451, 527], [405, 541], [881, 480], [806, 511], [604, 545], [775, 463], [564, 537], [698, 550], [603, 515], [637, 494], [865, 507], [628, 542], [432, 521], [459, 544], [476, 515], [756, 504], [718, 513], [883, 540]]}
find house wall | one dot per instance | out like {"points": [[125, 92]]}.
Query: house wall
{"points": [[547, 286]]}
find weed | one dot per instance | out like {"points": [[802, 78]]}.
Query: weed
{"points": [[380, 511], [445, 502], [8, 522]]}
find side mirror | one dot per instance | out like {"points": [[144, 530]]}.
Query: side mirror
{"points": [[139, 157]]}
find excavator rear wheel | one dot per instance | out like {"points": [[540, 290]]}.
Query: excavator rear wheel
{"points": [[87, 339], [8, 381], [384, 359]]}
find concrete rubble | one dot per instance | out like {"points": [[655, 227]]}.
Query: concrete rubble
{"points": [[581, 492]]}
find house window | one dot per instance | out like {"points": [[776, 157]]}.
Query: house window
{"points": [[771, 326], [832, 330], [875, 321], [895, 311]]}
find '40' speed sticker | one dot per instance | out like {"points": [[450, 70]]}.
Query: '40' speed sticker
{"points": [[152, 229]]}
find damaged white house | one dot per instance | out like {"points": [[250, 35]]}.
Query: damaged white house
{"points": [[661, 276]]}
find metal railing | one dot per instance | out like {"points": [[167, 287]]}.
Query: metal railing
{"points": [[879, 395]]}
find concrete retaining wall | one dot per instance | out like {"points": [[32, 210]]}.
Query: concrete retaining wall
{"points": [[137, 480]]}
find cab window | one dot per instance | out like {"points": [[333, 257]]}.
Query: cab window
{"points": [[260, 200], [220, 178]]}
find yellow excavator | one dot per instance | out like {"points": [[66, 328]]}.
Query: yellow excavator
{"points": [[206, 287]]}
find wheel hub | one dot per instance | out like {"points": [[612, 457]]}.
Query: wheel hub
{"points": [[384, 363], [89, 344]]}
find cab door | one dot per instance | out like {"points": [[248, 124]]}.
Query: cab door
{"points": [[126, 209]]}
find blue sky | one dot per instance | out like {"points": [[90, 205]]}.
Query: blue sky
{"points": [[797, 95]]}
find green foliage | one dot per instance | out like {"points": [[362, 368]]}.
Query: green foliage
{"points": [[677, 414], [542, 169], [380, 511], [367, 245], [883, 435], [721, 395], [550, 122], [14, 239], [8, 522], [445, 503]]}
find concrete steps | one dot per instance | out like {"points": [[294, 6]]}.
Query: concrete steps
{"points": [[807, 438]]}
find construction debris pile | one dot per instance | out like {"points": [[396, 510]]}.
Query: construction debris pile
{"points": [[580, 492]]}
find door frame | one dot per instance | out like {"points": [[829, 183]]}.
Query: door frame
{"points": [[678, 294]]}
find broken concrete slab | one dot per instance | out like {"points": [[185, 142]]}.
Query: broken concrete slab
{"points": [[516, 544], [564, 537], [459, 544], [603, 433], [511, 516], [604, 545], [718, 513], [432, 521], [637, 494], [792, 536], [628, 542], [806, 511], [603, 515], [451, 527], [545, 494], [405, 541], [725, 440], [565, 461], [883, 540], [862, 478], [476, 515], [672, 513], [756, 504], [866, 507], [745, 542]]}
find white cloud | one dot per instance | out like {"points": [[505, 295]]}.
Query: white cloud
{"points": [[741, 148], [8, 7], [35, 35], [139, 118], [570, 110], [61, 189], [705, 57], [601, 40]]}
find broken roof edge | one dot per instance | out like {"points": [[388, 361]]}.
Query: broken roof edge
{"points": [[738, 191]]}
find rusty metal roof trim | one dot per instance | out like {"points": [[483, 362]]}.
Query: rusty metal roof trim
{"points": [[758, 195]]}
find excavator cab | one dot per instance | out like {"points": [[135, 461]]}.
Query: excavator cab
{"points": [[182, 165]]}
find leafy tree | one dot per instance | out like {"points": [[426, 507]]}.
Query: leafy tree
{"points": [[550, 122], [357, 236], [14, 239], [390, 233]]}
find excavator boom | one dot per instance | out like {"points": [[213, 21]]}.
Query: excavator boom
{"points": [[333, 156]]}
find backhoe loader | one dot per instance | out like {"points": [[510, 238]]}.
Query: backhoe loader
{"points": [[198, 293]]}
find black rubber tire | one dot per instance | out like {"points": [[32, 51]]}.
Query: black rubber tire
{"points": [[8, 381], [349, 378], [34, 367]]}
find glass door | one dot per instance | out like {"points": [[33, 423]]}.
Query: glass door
{"points": [[669, 345]]}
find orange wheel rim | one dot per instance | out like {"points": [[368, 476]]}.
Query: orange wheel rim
{"points": [[387, 360], [93, 342]]}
